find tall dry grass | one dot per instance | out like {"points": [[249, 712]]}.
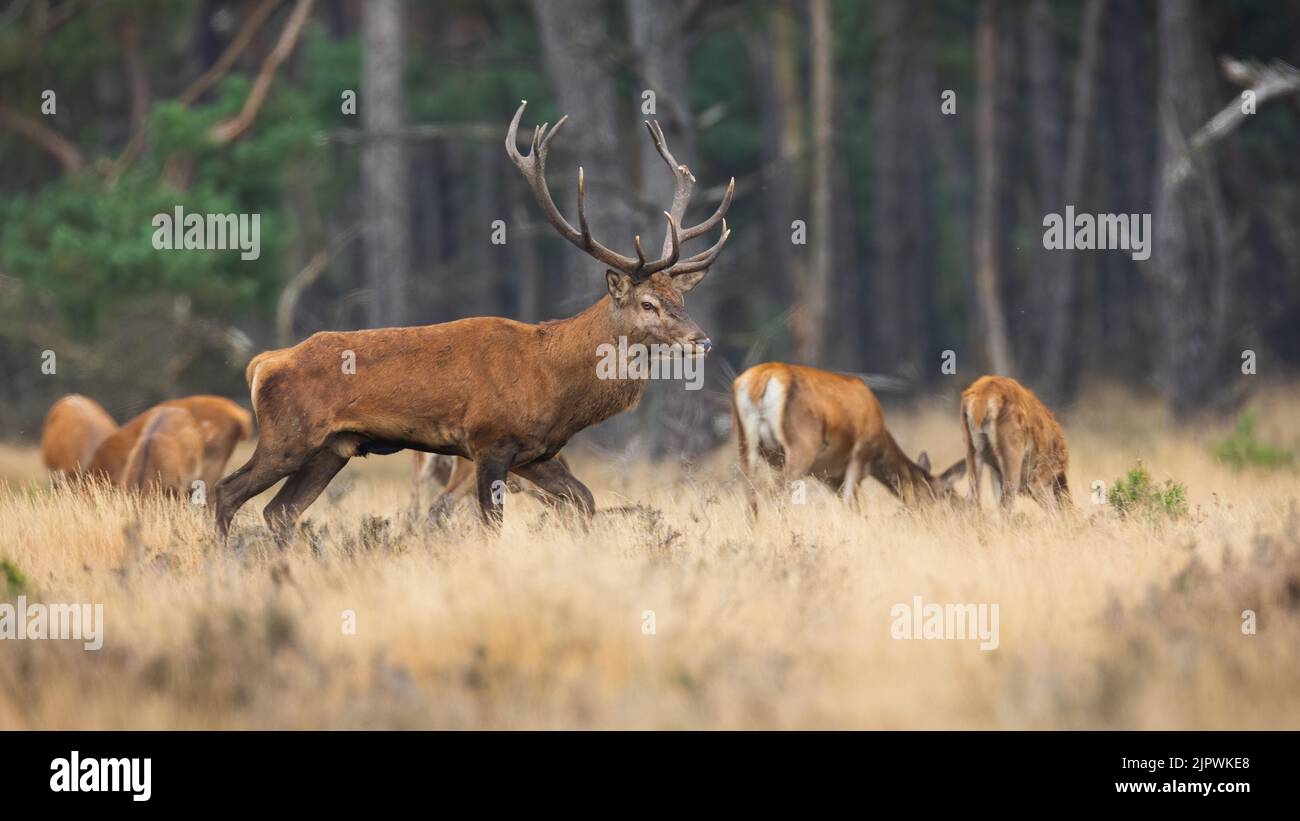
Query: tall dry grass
{"points": [[783, 622]]}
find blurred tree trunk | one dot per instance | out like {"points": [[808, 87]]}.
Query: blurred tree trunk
{"points": [[903, 261], [137, 74], [486, 259], [575, 40], [384, 172], [527, 262], [816, 295], [660, 51], [954, 166], [1061, 185], [994, 347], [1123, 342], [774, 53], [428, 186], [1047, 147], [1190, 263]]}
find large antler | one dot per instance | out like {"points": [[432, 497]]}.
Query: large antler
{"points": [[533, 167], [683, 185]]}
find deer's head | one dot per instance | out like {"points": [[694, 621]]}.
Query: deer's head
{"points": [[651, 310], [943, 486], [645, 295]]}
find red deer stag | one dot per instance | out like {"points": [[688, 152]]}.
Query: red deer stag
{"points": [[1008, 429], [828, 425], [506, 394], [74, 429]]}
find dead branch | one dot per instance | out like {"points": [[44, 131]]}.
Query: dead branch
{"points": [[287, 305], [63, 150], [232, 129], [205, 81], [228, 57], [1267, 82]]}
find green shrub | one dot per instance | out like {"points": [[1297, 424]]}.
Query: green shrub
{"points": [[1135, 494], [1241, 449], [15, 583]]}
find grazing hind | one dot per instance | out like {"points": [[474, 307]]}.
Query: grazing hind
{"points": [[1010, 431], [167, 457], [223, 425], [74, 428], [828, 425]]}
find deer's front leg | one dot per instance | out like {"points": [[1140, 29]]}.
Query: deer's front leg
{"points": [[491, 469]]}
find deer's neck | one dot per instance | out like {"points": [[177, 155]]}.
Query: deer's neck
{"points": [[901, 475], [574, 347]]}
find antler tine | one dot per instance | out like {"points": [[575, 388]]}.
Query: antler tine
{"points": [[704, 259], [675, 254], [661, 145], [533, 167], [546, 141], [582, 209], [706, 226], [640, 255], [674, 249], [512, 135], [683, 179]]}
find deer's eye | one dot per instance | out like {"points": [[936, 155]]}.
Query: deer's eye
{"points": [[649, 306]]}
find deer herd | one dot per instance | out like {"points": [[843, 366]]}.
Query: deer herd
{"points": [[487, 403]]}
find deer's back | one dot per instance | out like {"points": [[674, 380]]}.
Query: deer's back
{"points": [[431, 385], [1001, 403], [841, 405], [218, 417]]}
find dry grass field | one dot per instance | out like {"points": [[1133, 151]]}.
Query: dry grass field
{"points": [[1105, 622]]}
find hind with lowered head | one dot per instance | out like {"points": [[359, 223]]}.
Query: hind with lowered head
{"points": [[811, 422]]}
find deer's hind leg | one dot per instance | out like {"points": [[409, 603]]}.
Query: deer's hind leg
{"points": [[302, 488], [801, 443], [974, 461], [1011, 455], [260, 472], [559, 483], [853, 474]]}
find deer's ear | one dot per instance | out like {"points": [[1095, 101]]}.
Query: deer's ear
{"points": [[685, 282], [618, 284], [952, 474], [923, 461]]}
